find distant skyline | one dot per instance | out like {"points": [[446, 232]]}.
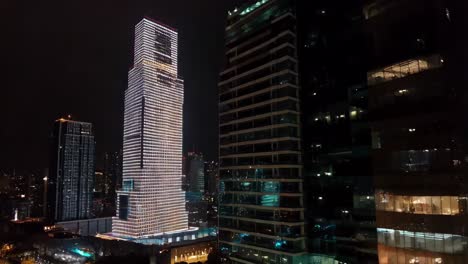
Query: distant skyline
{"points": [[72, 58]]}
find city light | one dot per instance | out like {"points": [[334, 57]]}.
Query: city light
{"points": [[294, 132], [81, 253], [253, 7]]}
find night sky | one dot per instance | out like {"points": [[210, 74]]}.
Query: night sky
{"points": [[72, 57]]}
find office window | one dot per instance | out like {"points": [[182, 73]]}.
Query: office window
{"points": [[435, 205], [404, 69], [123, 207], [127, 185]]}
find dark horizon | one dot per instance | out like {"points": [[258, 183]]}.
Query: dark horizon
{"points": [[66, 58]]}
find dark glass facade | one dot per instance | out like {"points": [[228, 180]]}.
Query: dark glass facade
{"points": [[211, 192], [261, 212], [211, 178], [112, 173], [195, 172], [417, 104], [71, 177], [194, 186], [336, 139]]}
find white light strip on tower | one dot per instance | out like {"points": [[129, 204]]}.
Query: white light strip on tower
{"points": [[152, 147]]}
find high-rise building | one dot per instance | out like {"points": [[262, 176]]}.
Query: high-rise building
{"points": [[417, 105], [195, 172], [211, 178], [211, 192], [5, 180], [112, 172], [71, 174], [100, 205], [35, 191], [99, 182], [108, 180], [339, 194], [261, 213], [151, 200], [195, 188]]}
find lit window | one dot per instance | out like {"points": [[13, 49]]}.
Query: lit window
{"points": [[432, 205], [403, 69], [401, 92], [432, 242]]}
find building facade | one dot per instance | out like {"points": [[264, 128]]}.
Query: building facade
{"points": [[417, 104], [261, 211], [195, 189], [99, 182], [339, 195], [195, 172], [211, 191], [151, 200], [112, 173], [71, 175], [211, 178]]}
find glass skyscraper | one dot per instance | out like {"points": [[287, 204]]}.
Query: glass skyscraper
{"points": [[339, 196], [195, 189], [261, 213], [151, 200], [71, 178], [417, 108], [195, 172], [383, 100]]}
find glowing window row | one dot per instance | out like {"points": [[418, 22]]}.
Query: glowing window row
{"points": [[433, 242], [434, 205], [404, 69]]}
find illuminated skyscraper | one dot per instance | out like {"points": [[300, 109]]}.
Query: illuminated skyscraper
{"points": [[151, 200], [71, 179]]}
